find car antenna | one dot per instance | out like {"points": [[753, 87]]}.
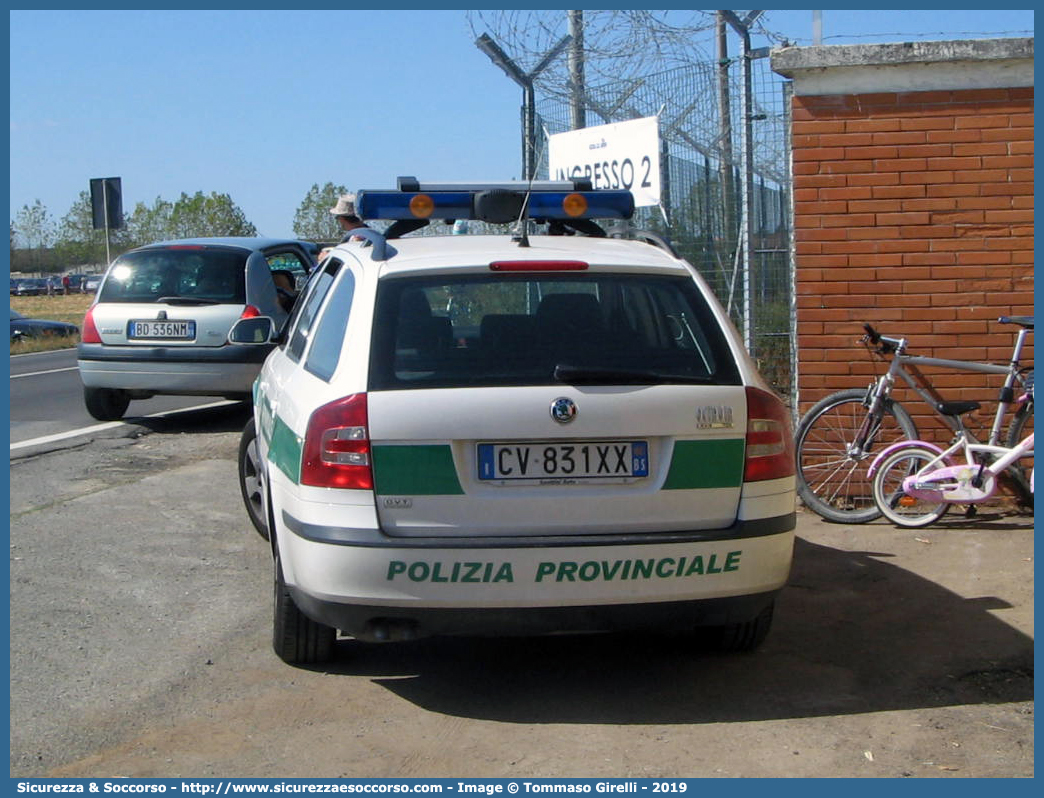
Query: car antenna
{"points": [[523, 219], [523, 216]]}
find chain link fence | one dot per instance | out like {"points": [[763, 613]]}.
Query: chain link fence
{"points": [[721, 178]]}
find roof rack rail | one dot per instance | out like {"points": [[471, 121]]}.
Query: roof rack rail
{"points": [[382, 250], [627, 230]]}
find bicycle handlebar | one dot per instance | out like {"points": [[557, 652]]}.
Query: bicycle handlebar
{"points": [[888, 346], [884, 344], [1025, 321]]}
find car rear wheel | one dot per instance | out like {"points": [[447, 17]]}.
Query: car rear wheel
{"points": [[106, 404], [251, 479], [296, 638]]}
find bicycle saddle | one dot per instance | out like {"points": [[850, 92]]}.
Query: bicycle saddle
{"points": [[956, 408]]}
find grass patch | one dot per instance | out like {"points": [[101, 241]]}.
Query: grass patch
{"points": [[49, 343], [69, 308]]}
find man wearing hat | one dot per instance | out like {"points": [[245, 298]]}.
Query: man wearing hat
{"points": [[344, 211]]}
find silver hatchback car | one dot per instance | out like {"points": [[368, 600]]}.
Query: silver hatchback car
{"points": [[161, 318]]}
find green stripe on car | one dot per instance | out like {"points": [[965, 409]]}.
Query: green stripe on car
{"points": [[284, 449], [423, 470], [706, 464]]}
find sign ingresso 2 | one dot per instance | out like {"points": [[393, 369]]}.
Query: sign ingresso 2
{"points": [[621, 155]]}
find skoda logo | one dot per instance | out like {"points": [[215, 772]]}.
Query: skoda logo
{"points": [[563, 410]]}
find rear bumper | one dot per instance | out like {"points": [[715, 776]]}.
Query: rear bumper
{"points": [[537, 585], [192, 370], [381, 623]]}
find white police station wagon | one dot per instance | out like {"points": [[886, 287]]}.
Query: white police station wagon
{"points": [[474, 434]]}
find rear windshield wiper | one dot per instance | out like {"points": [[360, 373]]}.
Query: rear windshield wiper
{"points": [[186, 300], [583, 375]]}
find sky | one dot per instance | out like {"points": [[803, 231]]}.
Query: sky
{"points": [[261, 105]]}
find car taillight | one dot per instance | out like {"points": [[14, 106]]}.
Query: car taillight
{"points": [[249, 312], [770, 442], [89, 331], [337, 446]]}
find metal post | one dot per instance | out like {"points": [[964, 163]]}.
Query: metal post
{"points": [[747, 190], [105, 207], [528, 131], [577, 85], [667, 199], [742, 27], [795, 394], [725, 134]]}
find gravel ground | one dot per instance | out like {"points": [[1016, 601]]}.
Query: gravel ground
{"points": [[140, 624]]}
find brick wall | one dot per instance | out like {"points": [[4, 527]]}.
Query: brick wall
{"points": [[914, 212]]}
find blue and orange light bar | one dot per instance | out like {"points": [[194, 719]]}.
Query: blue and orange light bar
{"points": [[495, 202]]}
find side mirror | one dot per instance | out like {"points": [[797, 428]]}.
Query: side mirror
{"points": [[255, 330]]}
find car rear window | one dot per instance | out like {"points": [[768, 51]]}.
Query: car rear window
{"points": [[189, 273], [500, 330]]}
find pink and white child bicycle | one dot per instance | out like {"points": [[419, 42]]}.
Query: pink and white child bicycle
{"points": [[916, 482]]}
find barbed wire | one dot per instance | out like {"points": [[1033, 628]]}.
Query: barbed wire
{"points": [[762, 28], [983, 34], [617, 43], [620, 44]]}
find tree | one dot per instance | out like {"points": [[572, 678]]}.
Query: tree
{"points": [[313, 220], [36, 230], [146, 225], [78, 243], [212, 215]]}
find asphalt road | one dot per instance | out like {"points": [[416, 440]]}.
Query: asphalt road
{"points": [[140, 646], [47, 397]]}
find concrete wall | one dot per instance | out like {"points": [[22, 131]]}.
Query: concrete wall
{"points": [[913, 201]]}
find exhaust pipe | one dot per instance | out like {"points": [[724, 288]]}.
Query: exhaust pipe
{"points": [[389, 630]]}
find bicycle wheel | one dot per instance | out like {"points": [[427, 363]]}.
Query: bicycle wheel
{"points": [[898, 507], [1021, 426], [832, 464]]}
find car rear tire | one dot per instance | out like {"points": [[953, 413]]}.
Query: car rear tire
{"points": [[296, 638], [251, 479], [106, 404]]}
